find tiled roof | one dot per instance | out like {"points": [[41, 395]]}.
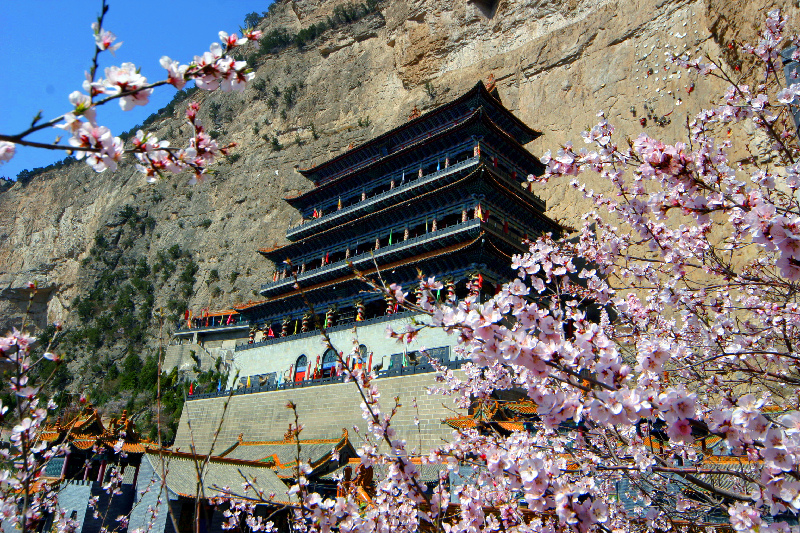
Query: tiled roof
{"points": [[478, 89], [510, 426], [249, 304], [181, 475], [461, 422], [85, 430], [524, 407], [221, 312]]}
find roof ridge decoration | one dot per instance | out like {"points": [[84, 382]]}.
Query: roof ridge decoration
{"points": [[490, 83], [86, 426]]}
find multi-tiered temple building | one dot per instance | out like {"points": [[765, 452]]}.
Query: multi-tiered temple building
{"points": [[446, 194]]}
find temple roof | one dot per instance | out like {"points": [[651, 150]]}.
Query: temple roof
{"points": [[85, 429], [479, 91], [249, 304], [182, 469], [509, 416], [476, 118]]}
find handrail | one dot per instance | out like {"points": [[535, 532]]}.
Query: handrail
{"points": [[423, 368], [383, 195], [367, 256], [240, 324]]}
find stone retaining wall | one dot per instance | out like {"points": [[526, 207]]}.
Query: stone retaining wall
{"points": [[323, 410]]}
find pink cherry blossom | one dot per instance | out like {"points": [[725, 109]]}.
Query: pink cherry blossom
{"points": [[126, 79], [7, 150]]}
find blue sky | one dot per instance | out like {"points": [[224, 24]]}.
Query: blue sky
{"points": [[47, 45]]}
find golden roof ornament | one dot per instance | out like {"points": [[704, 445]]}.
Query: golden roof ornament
{"points": [[490, 82]]}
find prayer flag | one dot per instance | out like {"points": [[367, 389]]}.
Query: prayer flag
{"points": [[248, 382], [219, 385], [340, 203], [480, 280], [270, 334], [191, 389], [390, 237], [296, 325]]}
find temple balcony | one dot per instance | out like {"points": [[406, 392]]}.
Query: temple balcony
{"points": [[341, 326], [423, 368], [410, 190], [458, 143], [423, 243]]}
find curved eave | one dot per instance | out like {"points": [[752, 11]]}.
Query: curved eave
{"points": [[324, 231], [479, 115], [389, 266], [414, 190], [388, 254], [478, 89]]}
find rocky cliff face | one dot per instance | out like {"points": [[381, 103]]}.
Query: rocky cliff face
{"points": [[556, 65]]}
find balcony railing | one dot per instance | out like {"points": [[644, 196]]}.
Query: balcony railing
{"points": [[337, 327], [349, 210], [367, 257], [424, 368]]}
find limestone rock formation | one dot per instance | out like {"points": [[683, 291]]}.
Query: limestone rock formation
{"points": [[556, 64]]}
